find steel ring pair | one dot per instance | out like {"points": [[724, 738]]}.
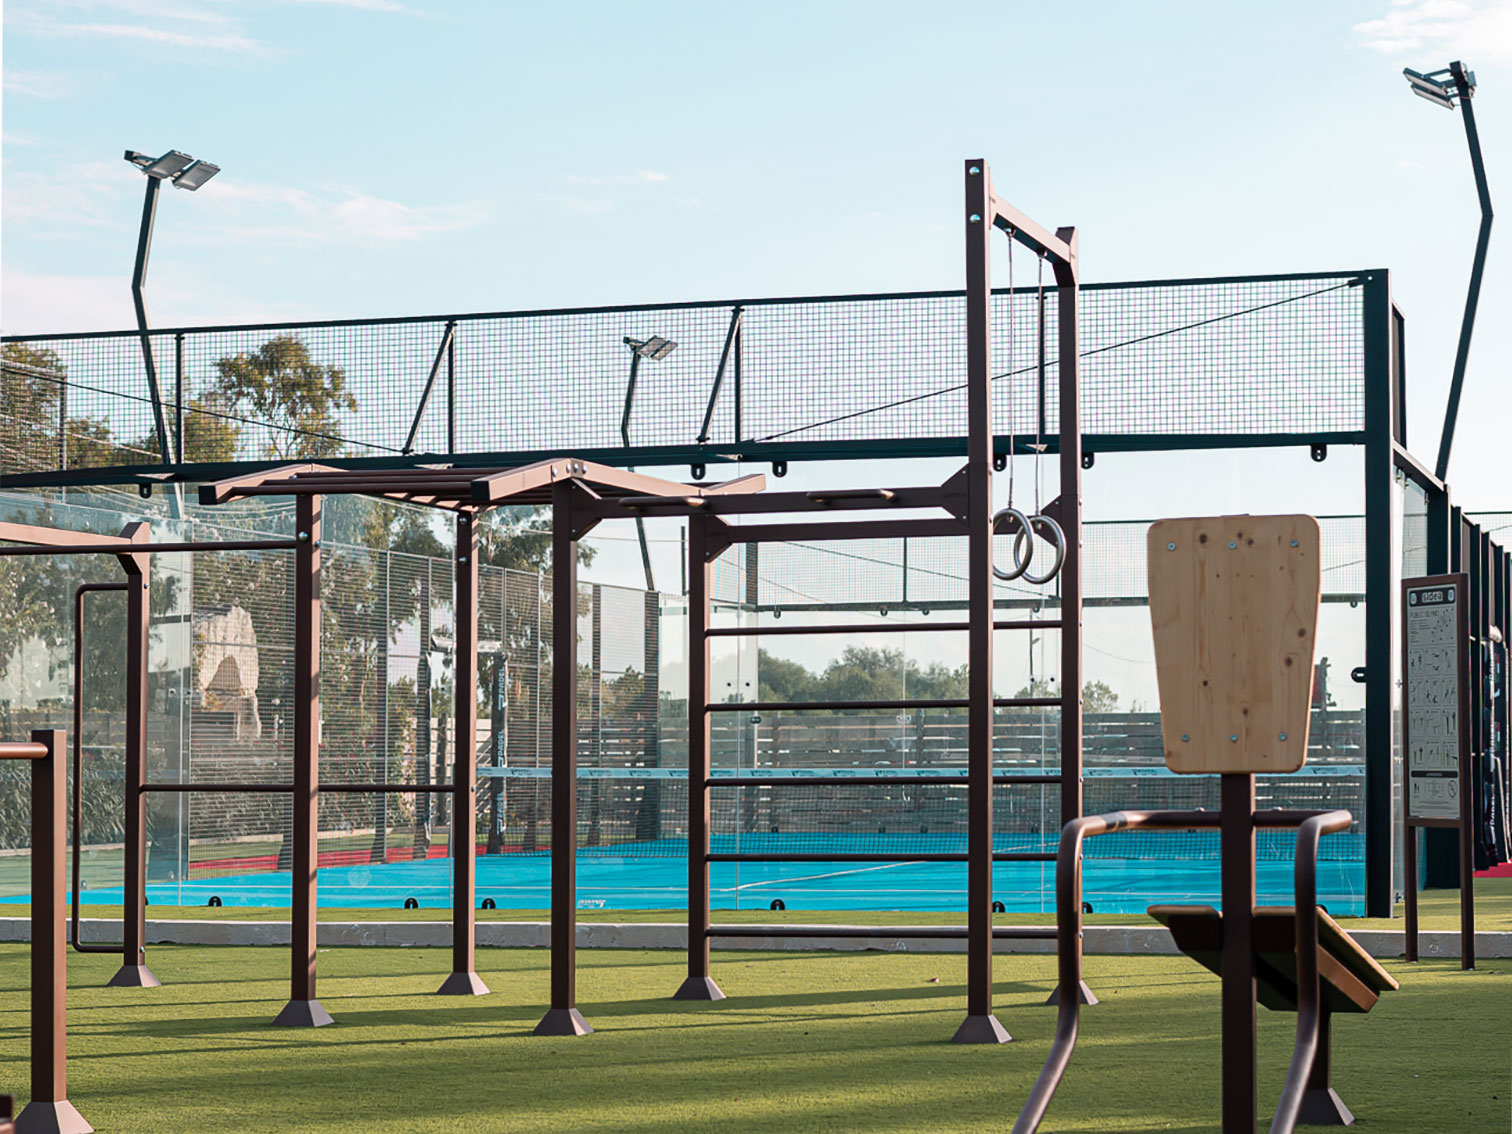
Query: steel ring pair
{"points": [[1023, 545]]}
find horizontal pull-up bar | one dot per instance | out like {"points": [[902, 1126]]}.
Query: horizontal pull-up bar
{"points": [[1028, 232], [870, 781], [910, 932], [22, 750], [877, 628], [150, 548], [273, 788], [838, 856], [927, 703]]}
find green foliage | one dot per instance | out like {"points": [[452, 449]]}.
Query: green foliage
{"points": [[31, 398], [281, 385], [860, 673]]}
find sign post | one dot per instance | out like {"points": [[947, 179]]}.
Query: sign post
{"points": [[1436, 789]]}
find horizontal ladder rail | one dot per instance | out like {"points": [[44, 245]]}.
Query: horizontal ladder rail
{"points": [[914, 932], [877, 628]]}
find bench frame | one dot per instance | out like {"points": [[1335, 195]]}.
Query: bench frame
{"points": [[1237, 822]]}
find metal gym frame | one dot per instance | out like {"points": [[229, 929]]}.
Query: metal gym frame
{"points": [[580, 494], [966, 501]]}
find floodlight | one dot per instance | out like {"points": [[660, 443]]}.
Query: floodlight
{"points": [[655, 348], [168, 165], [1437, 91], [196, 175]]}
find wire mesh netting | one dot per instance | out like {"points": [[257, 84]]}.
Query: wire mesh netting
{"points": [[1188, 358], [221, 695]]}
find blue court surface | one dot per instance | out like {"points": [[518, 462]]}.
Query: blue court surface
{"points": [[610, 882]]}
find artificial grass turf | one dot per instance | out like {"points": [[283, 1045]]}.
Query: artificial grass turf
{"points": [[806, 1042]]}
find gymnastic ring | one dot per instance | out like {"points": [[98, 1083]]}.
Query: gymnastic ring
{"points": [[1052, 533], [1023, 538]]}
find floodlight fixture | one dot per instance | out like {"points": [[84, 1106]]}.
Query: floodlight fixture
{"points": [[195, 176], [1437, 90], [186, 173], [1453, 88], [655, 348]]}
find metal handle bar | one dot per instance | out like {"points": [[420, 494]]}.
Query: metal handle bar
{"points": [[1309, 989]]}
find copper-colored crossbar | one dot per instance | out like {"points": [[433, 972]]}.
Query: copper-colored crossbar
{"points": [[838, 856], [403, 789], [924, 703], [872, 781], [23, 750], [827, 531], [877, 628], [909, 932], [153, 548]]}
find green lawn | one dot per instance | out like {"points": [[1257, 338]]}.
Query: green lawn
{"points": [[808, 1042]]}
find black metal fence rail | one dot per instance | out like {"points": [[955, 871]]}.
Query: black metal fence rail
{"points": [[1251, 360]]}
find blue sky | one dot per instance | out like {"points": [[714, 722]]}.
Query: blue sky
{"points": [[386, 158]]}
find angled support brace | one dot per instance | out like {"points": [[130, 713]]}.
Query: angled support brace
{"points": [[724, 362], [430, 384]]}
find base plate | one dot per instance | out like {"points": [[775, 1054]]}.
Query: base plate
{"points": [[1323, 1108], [133, 976], [52, 1118], [1084, 996], [698, 988], [562, 1022], [303, 1014], [463, 984], [981, 1029]]}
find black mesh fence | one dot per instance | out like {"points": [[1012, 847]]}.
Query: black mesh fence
{"points": [[1185, 358]]}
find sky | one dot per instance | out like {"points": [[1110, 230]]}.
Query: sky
{"points": [[384, 159]]}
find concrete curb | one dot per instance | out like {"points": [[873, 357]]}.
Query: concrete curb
{"points": [[1107, 939]]}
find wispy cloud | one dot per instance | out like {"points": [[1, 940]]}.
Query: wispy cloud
{"points": [[282, 214], [87, 194], [186, 25], [38, 84], [639, 177], [1481, 29], [363, 5]]}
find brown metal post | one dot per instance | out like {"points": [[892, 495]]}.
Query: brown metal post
{"points": [[980, 1025], [1237, 858], [49, 1110], [1068, 299], [698, 985], [303, 1010], [1410, 883], [134, 972], [464, 981], [563, 1017]]}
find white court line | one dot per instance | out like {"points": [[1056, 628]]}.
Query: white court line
{"points": [[830, 874]]}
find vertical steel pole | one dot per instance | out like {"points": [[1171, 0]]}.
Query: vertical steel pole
{"points": [[303, 1010], [980, 1025], [563, 1017], [139, 300], [451, 387], [134, 972], [464, 981], [178, 397], [1380, 598], [698, 985], [1068, 361], [49, 1110], [1237, 842]]}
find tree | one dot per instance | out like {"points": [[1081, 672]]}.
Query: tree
{"points": [[33, 381], [295, 398], [1097, 697]]}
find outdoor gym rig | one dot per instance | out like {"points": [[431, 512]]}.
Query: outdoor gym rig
{"points": [[963, 508]]}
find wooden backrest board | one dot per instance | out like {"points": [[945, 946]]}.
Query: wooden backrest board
{"points": [[1234, 604]]}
